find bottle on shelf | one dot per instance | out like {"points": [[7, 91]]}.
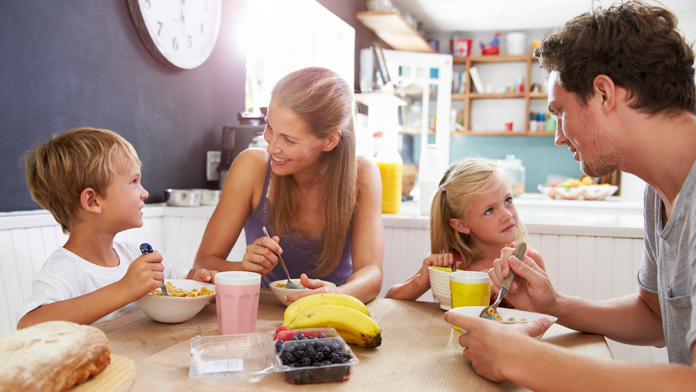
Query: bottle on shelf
{"points": [[429, 173]]}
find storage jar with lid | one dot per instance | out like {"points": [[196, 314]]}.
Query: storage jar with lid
{"points": [[516, 173]]}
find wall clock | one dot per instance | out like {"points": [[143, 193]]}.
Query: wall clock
{"points": [[179, 33]]}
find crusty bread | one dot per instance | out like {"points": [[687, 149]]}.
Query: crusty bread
{"points": [[51, 356]]}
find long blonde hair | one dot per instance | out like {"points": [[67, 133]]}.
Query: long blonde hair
{"points": [[462, 180], [325, 102]]}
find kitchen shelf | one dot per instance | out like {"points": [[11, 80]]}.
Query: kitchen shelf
{"points": [[392, 28], [470, 96], [502, 133]]}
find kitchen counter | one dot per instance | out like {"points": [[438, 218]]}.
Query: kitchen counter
{"points": [[542, 215], [419, 351]]}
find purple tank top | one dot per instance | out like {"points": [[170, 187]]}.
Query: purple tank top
{"points": [[297, 251]]}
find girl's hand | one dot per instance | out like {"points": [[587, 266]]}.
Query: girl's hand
{"points": [[144, 275], [314, 286], [261, 256], [435, 260]]}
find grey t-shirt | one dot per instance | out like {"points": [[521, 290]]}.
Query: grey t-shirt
{"points": [[669, 264]]}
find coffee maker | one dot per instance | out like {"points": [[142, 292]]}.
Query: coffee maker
{"points": [[236, 138]]}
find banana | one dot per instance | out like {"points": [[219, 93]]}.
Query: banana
{"points": [[304, 303], [354, 327]]}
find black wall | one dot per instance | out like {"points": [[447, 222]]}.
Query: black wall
{"points": [[71, 63]]}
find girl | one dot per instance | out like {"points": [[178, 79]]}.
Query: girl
{"points": [[472, 218], [321, 204]]}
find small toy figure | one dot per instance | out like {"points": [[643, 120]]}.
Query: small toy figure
{"points": [[493, 47]]}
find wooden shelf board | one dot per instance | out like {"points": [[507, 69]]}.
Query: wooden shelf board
{"points": [[500, 133], [494, 59], [496, 96], [391, 28]]}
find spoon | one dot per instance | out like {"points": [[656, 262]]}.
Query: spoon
{"points": [[145, 248], [290, 284], [491, 312]]}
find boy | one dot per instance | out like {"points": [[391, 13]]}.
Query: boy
{"points": [[89, 179]]}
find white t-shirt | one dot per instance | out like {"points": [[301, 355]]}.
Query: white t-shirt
{"points": [[65, 275]]}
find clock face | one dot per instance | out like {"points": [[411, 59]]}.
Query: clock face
{"points": [[182, 32]]}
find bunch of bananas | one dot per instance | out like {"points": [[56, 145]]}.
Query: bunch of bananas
{"points": [[346, 314]]}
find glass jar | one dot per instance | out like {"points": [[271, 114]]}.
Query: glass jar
{"points": [[516, 172]]}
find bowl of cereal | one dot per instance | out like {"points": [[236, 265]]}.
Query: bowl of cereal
{"points": [[186, 298], [439, 283], [278, 288], [508, 315]]}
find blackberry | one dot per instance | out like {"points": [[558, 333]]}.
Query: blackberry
{"points": [[299, 354], [305, 361], [324, 349], [310, 352], [326, 363], [318, 356], [288, 359]]}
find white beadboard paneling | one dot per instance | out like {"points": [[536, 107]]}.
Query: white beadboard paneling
{"points": [[593, 264], [603, 277], [8, 297]]}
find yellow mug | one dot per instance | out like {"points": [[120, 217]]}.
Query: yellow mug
{"points": [[470, 288]]}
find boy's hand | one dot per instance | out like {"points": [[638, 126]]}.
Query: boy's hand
{"points": [[144, 275]]}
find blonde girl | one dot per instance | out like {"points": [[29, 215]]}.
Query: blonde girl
{"points": [[472, 218]]}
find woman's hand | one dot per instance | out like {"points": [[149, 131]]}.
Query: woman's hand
{"points": [[261, 256], [203, 275], [314, 286]]}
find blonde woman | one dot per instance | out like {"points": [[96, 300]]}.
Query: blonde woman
{"points": [[320, 204], [472, 218]]}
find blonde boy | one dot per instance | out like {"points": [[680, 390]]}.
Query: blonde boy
{"points": [[89, 179]]}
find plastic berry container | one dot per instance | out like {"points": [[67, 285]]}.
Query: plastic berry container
{"points": [[313, 356], [247, 358]]}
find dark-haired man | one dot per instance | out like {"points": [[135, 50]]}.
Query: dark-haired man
{"points": [[621, 83]]}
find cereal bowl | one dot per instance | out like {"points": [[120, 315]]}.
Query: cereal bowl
{"points": [[278, 288], [510, 316], [171, 309], [439, 283]]}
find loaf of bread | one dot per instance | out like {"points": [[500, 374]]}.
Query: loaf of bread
{"points": [[52, 356]]}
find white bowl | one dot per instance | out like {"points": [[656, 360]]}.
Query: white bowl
{"points": [[169, 309], [280, 292], [520, 316], [439, 284], [583, 192]]}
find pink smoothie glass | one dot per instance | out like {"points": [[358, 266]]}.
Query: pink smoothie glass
{"points": [[237, 298]]}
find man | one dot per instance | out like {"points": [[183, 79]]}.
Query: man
{"points": [[621, 83]]}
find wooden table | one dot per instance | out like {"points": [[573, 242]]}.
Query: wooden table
{"points": [[419, 351]]}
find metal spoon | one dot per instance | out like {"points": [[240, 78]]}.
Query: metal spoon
{"points": [[290, 284], [145, 248], [491, 312]]}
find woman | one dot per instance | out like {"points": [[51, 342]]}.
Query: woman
{"points": [[320, 203]]}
